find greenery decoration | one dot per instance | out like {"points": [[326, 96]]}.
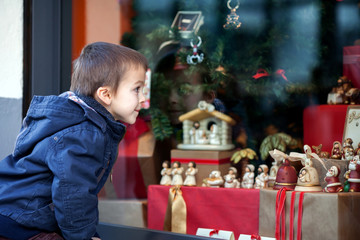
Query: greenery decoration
{"points": [[241, 154], [279, 141]]}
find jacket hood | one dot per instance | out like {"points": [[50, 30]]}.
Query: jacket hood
{"points": [[55, 113]]}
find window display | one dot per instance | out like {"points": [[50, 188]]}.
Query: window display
{"points": [[270, 67]]}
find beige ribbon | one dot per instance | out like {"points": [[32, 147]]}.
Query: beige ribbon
{"points": [[175, 216]]}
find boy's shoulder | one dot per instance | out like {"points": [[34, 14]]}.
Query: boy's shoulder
{"points": [[62, 111]]}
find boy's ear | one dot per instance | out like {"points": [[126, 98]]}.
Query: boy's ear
{"points": [[104, 94]]}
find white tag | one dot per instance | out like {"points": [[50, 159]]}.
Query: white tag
{"points": [[248, 237], [213, 233]]}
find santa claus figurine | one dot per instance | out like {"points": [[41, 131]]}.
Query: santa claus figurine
{"points": [[332, 179], [353, 174]]}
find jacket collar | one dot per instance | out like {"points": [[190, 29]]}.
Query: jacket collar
{"points": [[117, 128]]}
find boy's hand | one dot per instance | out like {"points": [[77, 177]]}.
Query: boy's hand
{"points": [[95, 238]]}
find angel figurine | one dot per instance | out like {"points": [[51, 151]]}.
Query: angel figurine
{"points": [[166, 174], [190, 173], [176, 172]]}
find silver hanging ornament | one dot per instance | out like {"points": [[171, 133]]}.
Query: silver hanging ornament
{"points": [[232, 20], [195, 58]]}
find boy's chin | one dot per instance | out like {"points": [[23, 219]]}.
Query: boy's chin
{"points": [[130, 121]]}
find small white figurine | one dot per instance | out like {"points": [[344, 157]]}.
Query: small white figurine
{"points": [[348, 154], [248, 178], [261, 180], [230, 179], [201, 137], [214, 179], [214, 136], [193, 131], [190, 173], [279, 158], [166, 174], [176, 172]]}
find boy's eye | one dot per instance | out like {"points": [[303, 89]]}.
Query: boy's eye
{"points": [[184, 89]]}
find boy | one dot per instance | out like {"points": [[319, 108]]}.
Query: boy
{"points": [[68, 145]]}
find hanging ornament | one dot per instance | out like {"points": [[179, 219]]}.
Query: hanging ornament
{"points": [[195, 58], [232, 20]]}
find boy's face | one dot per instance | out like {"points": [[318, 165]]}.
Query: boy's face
{"points": [[126, 104], [184, 96]]}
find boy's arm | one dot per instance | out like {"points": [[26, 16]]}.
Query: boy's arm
{"points": [[77, 162]]}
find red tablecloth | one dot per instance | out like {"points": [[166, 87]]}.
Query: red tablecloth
{"points": [[324, 124], [235, 210]]}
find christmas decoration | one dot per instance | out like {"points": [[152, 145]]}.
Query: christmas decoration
{"points": [[332, 179], [308, 179], [230, 179], [241, 158], [190, 173], [232, 20], [195, 58], [280, 141]]}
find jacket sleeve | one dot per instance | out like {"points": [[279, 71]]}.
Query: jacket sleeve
{"points": [[76, 164]]}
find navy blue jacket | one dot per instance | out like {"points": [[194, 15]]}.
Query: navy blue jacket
{"points": [[62, 158]]}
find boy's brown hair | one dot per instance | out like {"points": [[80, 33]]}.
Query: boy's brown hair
{"points": [[103, 64]]}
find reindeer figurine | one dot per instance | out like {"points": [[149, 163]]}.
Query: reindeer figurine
{"points": [[320, 153]]}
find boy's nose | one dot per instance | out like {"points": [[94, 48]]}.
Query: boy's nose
{"points": [[141, 97], [174, 97]]}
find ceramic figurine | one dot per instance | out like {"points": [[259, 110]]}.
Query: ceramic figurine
{"points": [[336, 150], [320, 153], [286, 176], [357, 150], [336, 96], [332, 179], [193, 131], [272, 175], [191, 171], [205, 128], [202, 137], [230, 179], [279, 158], [348, 154], [214, 179], [261, 180], [166, 174], [176, 172], [214, 136], [347, 149], [308, 179], [353, 174], [248, 178]]}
